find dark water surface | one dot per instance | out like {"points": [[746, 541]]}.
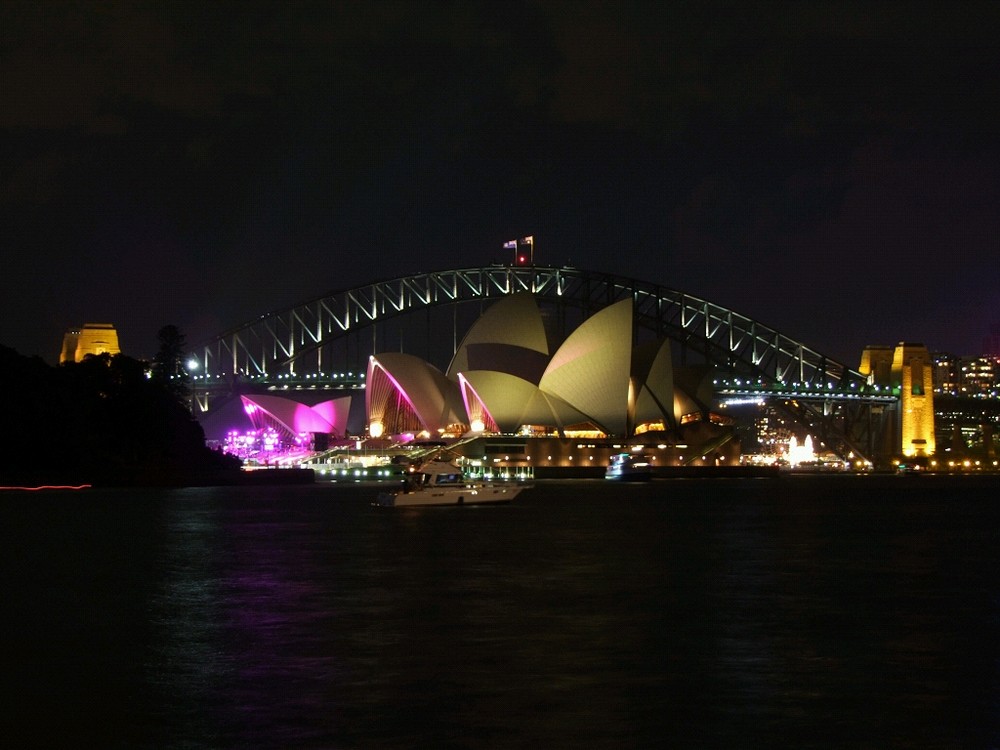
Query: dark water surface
{"points": [[859, 612]]}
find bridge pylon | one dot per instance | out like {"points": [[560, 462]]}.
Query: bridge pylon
{"points": [[906, 370]]}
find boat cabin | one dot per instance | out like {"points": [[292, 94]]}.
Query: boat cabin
{"points": [[438, 474]]}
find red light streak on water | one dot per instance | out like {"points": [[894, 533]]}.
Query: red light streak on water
{"points": [[48, 487]]}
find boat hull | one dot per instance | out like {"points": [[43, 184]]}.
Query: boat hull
{"points": [[450, 496]]}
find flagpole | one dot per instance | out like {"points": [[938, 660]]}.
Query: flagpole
{"points": [[512, 245]]}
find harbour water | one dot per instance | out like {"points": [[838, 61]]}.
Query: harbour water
{"points": [[820, 611]]}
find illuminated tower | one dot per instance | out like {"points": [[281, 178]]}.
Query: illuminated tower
{"points": [[909, 370], [876, 364], [912, 373], [93, 338]]}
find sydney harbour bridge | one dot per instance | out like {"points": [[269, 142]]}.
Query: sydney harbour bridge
{"points": [[325, 342]]}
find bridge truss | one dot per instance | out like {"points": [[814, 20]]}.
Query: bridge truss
{"points": [[310, 340]]}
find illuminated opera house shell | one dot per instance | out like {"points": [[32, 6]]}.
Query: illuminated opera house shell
{"points": [[507, 377], [292, 419], [405, 394]]}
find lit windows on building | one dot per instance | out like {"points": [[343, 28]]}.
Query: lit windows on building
{"points": [[977, 376], [945, 373]]}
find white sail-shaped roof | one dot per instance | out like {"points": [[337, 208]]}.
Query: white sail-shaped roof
{"points": [[503, 376], [336, 411], [506, 397], [511, 324], [590, 371], [434, 399], [653, 383], [513, 402], [693, 390]]}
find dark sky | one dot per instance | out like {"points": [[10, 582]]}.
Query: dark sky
{"points": [[832, 170]]}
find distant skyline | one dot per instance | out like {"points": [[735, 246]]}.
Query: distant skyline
{"points": [[830, 170]]}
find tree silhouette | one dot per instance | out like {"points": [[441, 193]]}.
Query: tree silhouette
{"points": [[168, 367], [100, 420]]}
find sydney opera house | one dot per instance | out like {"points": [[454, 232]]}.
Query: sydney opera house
{"points": [[516, 394]]}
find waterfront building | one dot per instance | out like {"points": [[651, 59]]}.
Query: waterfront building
{"points": [[509, 377], [519, 393], [294, 420]]}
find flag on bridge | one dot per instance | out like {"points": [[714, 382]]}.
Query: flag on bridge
{"points": [[525, 257]]}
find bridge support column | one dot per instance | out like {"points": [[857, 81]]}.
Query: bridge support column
{"points": [[907, 369]]}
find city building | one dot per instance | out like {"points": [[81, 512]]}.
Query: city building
{"points": [[978, 376], [945, 373]]}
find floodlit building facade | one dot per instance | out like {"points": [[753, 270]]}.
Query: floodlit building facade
{"points": [[294, 420], [913, 370], [508, 376], [405, 394], [908, 369], [93, 338]]}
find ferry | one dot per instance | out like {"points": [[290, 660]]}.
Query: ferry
{"points": [[442, 483], [626, 467]]}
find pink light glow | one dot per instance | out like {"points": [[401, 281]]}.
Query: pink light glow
{"points": [[400, 393], [290, 416]]}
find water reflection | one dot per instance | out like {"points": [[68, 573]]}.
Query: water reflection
{"points": [[807, 613]]}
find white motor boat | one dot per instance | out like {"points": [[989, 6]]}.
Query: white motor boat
{"points": [[626, 467], [442, 483]]}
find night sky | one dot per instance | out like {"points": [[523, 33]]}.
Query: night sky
{"points": [[832, 170]]}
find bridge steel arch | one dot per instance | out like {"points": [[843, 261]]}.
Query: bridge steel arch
{"points": [[822, 394]]}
